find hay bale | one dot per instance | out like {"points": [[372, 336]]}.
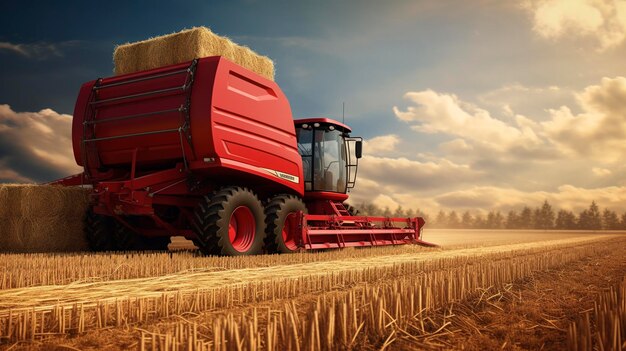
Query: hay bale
{"points": [[76, 202], [185, 46], [42, 218], [10, 200], [12, 235], [40, 201], [53, 234], [42, 235], [6, 238]]}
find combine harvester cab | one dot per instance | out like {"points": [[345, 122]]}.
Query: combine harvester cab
{"points": [[191, 149]]}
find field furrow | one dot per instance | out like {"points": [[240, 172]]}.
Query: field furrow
{"points": [[84, 293], [434, 278]]}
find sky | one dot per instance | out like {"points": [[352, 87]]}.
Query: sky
{"points": [[472, 105]]}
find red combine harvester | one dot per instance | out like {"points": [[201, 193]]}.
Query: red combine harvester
{"points": [[190, 149]]}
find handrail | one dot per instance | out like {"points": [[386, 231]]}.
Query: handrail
{"points": [[140, 79], [154, 92], [121, 118], [132, 135]]}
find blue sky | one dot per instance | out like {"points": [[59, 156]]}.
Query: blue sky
{"points": [[465, 104]]}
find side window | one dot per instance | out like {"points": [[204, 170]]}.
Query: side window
{"points": [[305, 148]]}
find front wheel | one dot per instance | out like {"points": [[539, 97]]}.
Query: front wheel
{"points": [[230, 223], [281, 221]]}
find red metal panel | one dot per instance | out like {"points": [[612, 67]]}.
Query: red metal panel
{"points": [[238, 120], [253, 127], [77, 122]]}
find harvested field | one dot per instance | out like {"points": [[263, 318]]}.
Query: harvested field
{"points": [[403, 297]]}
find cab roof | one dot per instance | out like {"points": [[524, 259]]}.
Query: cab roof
{"points": [[322, 120]]}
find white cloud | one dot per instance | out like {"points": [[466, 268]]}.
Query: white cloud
{"points": [[599, 130], [381, 144], [456, 147], [604, 20], [554, 18], [514, 99], [402, 173], [384, 201], [601, 172], [39, 50], [445, 113], [503, 164], [35, 146], [10, 175]]}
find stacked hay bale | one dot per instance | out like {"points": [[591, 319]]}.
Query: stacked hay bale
{"points": [[42, 218], [185, 46]]}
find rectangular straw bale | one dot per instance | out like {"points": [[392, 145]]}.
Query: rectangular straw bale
{"points": [[197, 42], [42, 218]]}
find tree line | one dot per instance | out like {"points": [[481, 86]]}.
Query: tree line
{"points": [[542, 217]]}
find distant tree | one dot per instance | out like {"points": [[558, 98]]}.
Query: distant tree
{"points": [[622, 222], [410, 213], [536, 218], [565, 220], [594, 216], [583, 220], [399, 212], [494, 220], [479, 221], [590, 218], [369, 209], [610, 221], [544, 216], [526, 218], [387, 212], [453, 220], [499, 221], [512, 220], [442, 220], [466, 220]]}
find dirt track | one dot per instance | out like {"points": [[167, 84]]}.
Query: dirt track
{"points": [[459, 238]]}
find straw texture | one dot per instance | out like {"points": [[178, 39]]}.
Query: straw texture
{"points": [[42, 218], [185, 46]]}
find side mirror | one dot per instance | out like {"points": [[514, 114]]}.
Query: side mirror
{"points": [[358, 148]]}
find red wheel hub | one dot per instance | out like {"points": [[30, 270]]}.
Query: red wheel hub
{"points": [[241, 229], [289, 231]]}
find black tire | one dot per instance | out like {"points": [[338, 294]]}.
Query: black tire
{"points": [[232, 209], [276, 213], [127, 239], [99, 231]]}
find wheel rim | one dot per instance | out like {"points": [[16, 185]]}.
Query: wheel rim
{"points": [[241, 229], [289, 237]]}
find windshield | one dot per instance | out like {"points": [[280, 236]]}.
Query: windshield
{"points": [[323, 159]]}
